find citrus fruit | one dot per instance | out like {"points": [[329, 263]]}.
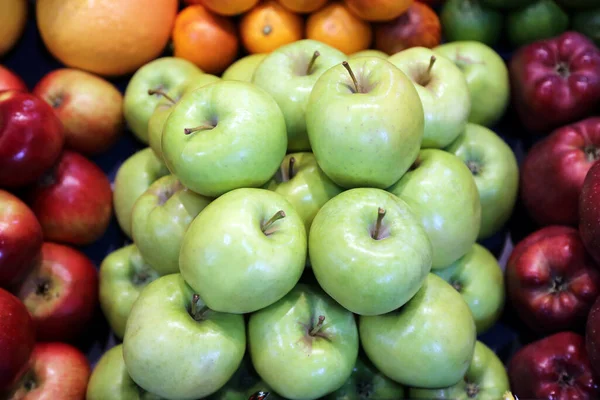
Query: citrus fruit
{"points": [[378, 10], [13, 16], [303, 6], [227, 7]]}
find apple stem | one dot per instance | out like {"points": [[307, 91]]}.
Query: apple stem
{"points": [[431, 63], [474, 167], [351, 73], [198, 314], [202, 127], [291, 171], [316, 55], [318, 326], [380, 215], [160, 92], [278, 215]]}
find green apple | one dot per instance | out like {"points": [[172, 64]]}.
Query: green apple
{"points": [[163, 109], [441, 191], [578, 4], [443, 90], [587, 22], [540, 20], [163, 74], [161, 216], [369, 53], [471, 20], [367, 383], [243, 69], [428, 343], [133, 178], [123, 274], [486, 379], [289, 75], [305, 345], [245, 251], [487, 78], [365, 123], [110, 380], [224, 136], [177, 348], [261, 389], [243, 381], [369, 251], [507, 4], [304, 184], [479, 279], [496, 172]]}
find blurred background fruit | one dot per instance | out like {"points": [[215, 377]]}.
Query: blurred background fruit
{"points": [[13, 15], [303, 6], [338, 27], [109, 37], [588, 23], [208, 40], [540, 20], [226, 7], [378, 10], [269, 26], [10, 80], [471, 20]]}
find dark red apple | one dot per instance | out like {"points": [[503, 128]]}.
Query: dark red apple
{"points": [[61, 293], [17, 338], [556, 81], [73, 201], [556, 367], [9, 80], [20, 239], [551, 280], [57, 371], [553, 172], [592, 337], [589, 212], [31, 138], [90, 108]]}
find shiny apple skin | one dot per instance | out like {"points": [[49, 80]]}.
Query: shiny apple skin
{"points": [[555, 81], [589, 212], [552, 281], [10, 81], [73, 202], [556, 368], [31, 138], [592, 337], [61, 293], [17, 339], [20, 239], [553, 172]]}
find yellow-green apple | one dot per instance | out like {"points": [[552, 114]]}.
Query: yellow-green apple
{"points": [[133, 178], [496, 172], [487, 78], [486, 379], [160, 218], [479, 279], [368, 251], [305, 345], [441, 191], [247, 238], [177, 348], [224, 136], [428, 343], [73, 201], [163, 75], [10, 80], [289, 75], [365, 123], [89, 107], [304, 184], [242, 383], [243, 69], [369, 53], [443, 91], [20, 239], [123, 275]]}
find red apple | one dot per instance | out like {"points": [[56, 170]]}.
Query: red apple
{"points": [[90, 108], [10, 80], [56, 371], [73, 202], [31, 138], [553, 172], [551, 280], [61, 293], [17, 338], [556, 81], [556, 367], [20, 239], [589, 212], [592, 337]]}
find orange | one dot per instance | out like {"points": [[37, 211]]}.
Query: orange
{"points": [[108, 37], [269, 26], [303, 6], [336, 26], [378, 10], [208, 40], [13, 16], [228, 7]]}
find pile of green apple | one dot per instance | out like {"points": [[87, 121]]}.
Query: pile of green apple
{"points": [[311, 220]]}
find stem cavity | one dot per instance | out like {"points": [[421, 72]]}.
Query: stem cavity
{"points": [[291, 171], [266, 227], [197, 312], [162, 93], [357, 88], [315, 330], [312, 62]]}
